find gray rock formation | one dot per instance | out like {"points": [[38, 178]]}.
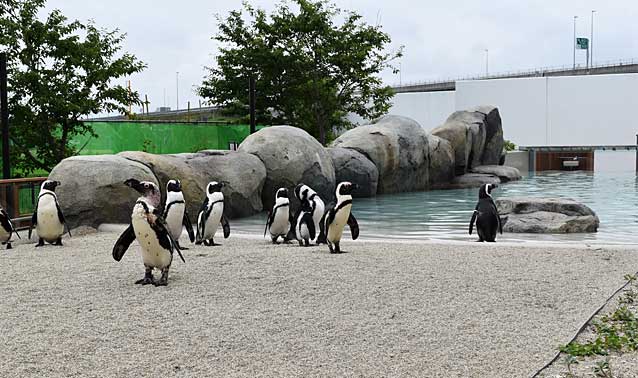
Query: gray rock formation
{"points": [[493, 149], [441, 168], [291, 156], [503, 172], [546, 215], [92, 189], [398, 146], [242, 174], [351, 165], [469, 180]]}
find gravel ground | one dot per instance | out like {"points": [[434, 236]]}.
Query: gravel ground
{"points": [[248, 308]]}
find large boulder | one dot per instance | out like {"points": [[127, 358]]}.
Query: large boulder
{"points": [[398, 146], [546, 215], [291, 156], [351, 165], [441, 168], [97, 195], [475, 135], [503, 172], [243, 176]]}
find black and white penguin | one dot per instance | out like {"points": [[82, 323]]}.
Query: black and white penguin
{"points": [[305, 225], [279, 220], [47, 218], [337, 217], [7, 229], [304, 192], [151, 232], [175, 213], [211, 215], [488, 222]]}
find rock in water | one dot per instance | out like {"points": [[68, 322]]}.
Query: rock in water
{"points": [[351, 165], [291, 156], [441, 161], [398, 146], [546, 215], [503, 172]]}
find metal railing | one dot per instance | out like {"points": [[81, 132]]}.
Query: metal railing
{"points": [[530, 72]]}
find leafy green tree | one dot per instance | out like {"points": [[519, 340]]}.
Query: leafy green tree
{"points": [[312, 65], [59, 72]]}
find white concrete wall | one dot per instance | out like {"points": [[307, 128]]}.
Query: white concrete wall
{"points": [[429, 109], [576, 110]]}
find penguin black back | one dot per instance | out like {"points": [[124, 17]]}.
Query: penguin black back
{"points": [[488, 221]]}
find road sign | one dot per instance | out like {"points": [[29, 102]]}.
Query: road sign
{"points": [[582, 43]]}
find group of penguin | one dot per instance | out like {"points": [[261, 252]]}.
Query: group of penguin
{"points": [[158, 230]]}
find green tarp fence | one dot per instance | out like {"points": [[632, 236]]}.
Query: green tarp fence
{"points": [[160, 137]]}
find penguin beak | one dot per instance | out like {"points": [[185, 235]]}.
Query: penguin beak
{"points": [[135, 184]]}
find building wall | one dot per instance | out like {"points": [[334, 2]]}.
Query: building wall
{"points": [[429, 109]]}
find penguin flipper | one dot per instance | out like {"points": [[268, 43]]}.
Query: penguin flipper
{"points": [[310, 223], [34, 218], [61, 216], [354, 226], [164, 237], [268, 222], [189, 227], [5, 222], [225, 226], [123, 242], [474, 215]]}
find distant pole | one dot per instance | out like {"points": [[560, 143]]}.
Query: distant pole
{"points": [[591, 40], [4, 111], [487, 62], [574, 42], [252, 103], [164, 97], [636, 152], [188, 112], [177, 89], [146, 103], [130, 105], [400, 73]]}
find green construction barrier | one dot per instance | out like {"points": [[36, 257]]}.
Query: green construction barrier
{"points": [[159, 137]]}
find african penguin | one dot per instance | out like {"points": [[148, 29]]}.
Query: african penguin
{"points": [[279, 218], [47, 218], [304, 192], [151, 232], [175, 212], [7, 229], [337, 217], [488, 222], [305, 225], [211, 215]]}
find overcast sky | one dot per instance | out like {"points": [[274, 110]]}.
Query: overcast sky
{"points": [[442, 39]]}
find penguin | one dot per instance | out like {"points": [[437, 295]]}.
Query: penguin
{"points": [[337, 217], [175, 213], [488, 222], [304, 192], [279, 221], [151, 232], [47, 218], [211, 215], [7, 229], [305, 226]]}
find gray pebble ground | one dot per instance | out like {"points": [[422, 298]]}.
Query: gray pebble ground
{"points": [[249, 308]]}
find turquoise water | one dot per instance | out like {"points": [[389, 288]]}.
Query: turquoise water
{"points": [[445, 214]]}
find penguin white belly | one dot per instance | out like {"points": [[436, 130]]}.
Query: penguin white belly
{"points": [[213, 220], [318, 214], [280, 224], [174, 220], [4, 235], [153, 254], [335, 229], [302, 231], [49, 226]]}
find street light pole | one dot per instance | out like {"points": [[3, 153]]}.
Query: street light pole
{"points": [[177, 89], [487, 62], [574, 42], [591, 40]]}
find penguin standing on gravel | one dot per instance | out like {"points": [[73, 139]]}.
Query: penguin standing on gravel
{"points": [[279, 220], [211, 215], [47, 218], [175, 212], [337, 217], [151, 232], [488, 222], [305, 225], [304, 192], [7, 229]]}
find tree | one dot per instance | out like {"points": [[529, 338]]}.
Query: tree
{"points": [[310, 69], [59, 71]]}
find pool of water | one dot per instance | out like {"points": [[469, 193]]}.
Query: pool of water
{"points": [[445, 214]]}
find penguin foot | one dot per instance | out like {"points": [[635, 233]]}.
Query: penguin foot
{"points": [[212, 243], [146, 281], [58, 242], [300, 243], [199, 242], [331, 249], [180, 246], [9, 246], [307, 244], [40, 243], [162, 282]]}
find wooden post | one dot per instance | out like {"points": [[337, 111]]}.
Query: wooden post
{"points": [[252, 103], [4, 111]]}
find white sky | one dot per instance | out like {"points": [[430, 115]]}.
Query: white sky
{"points": [[443, 39]]}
